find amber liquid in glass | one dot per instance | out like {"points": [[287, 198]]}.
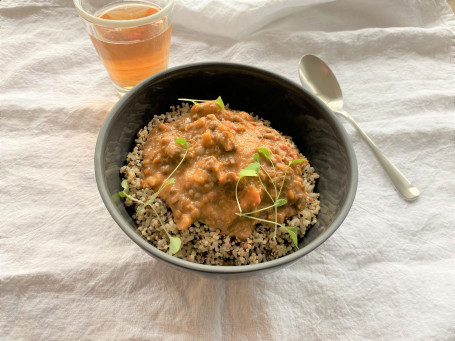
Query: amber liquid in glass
{"points": [[132, 54]]}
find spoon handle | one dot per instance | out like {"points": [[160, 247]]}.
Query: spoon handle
{"points": [[402, 185]]}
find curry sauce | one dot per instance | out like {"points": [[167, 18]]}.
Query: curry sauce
{"points": [[222, 143]]}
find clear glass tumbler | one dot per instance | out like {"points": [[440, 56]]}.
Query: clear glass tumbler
{"points": [[132, 38]]}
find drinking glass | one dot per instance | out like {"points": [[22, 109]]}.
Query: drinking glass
{"points": [[132, 38]]}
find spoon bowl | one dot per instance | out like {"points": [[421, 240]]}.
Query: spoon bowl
{"points": [[316, 77]]}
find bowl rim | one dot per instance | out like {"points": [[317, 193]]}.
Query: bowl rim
{"points": [[217, 269]]}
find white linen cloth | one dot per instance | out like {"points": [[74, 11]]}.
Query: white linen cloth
{"points": [[67, 272]]}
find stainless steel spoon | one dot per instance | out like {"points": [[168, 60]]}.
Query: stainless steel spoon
{"points": [[317, 77]]}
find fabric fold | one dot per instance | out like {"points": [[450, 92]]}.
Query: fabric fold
{"points": [[237, 18]]}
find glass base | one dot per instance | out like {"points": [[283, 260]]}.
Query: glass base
{"points": [[121, 91]]}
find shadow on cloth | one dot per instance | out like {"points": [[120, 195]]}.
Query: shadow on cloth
{"points": [[199, 306]]}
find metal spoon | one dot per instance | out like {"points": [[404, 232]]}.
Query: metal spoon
{"points": [[317, 77]]}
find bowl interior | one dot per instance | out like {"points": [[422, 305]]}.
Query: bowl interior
{"points": [[291, 110]]}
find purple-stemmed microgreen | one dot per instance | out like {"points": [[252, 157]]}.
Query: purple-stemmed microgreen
{"points": [[175, 243]]}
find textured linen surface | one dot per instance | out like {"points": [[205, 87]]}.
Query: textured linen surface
{"points": [[67, 272]]}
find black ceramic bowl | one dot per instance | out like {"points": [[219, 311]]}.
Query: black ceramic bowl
{"points": [[291, 110]]}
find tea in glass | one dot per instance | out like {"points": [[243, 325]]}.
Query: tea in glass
{"points": [[132, 38]]}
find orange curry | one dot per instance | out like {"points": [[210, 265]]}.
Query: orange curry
{"points": [[222, 143]]}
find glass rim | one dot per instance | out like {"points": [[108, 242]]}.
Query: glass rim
{"points": [[123, 23]]}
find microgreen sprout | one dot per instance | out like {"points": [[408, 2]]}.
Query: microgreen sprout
{"points": [[175, 243], [286, 171], [218, 101], [252, 170]]}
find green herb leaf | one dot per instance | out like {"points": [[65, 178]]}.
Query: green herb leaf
{"points": [[256, 157], [296, 161], [247, 172], [126, 189], [174, 245], [253, 166], [220, 103], [266, 153], [182, 142], [126, 186], [280, 202], [250, 170], [170, 181], [293, 234]]}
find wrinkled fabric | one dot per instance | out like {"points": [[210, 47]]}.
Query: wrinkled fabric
{"points": [[67, 271], [235, 19]]}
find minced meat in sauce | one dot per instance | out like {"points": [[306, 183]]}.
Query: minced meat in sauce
{"points": [[222, 143]]}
